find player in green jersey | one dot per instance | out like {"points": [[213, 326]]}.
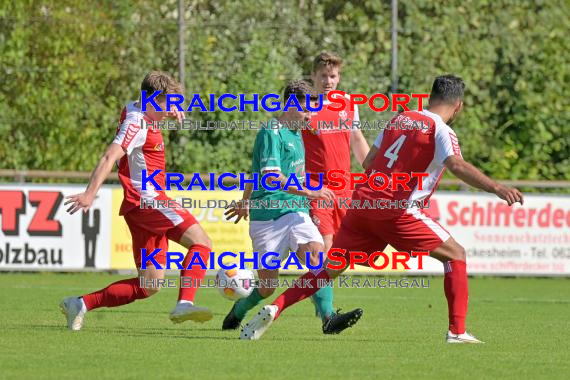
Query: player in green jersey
{"points": [[287, 228]]}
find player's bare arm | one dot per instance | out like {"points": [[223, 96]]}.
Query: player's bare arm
{"points": [[370, 157], [359, 146], [323, 193], [84, 200], [242, 209], [474, 177]]}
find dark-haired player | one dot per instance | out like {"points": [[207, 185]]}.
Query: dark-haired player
{"points": [[428, 150]]}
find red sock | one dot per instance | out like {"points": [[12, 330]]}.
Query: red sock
{"points": [[196, 272], [295, 294], [457, 294], [117, 294]]}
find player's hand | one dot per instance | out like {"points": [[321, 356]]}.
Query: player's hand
{"points": [[323, 193], [511, 195], [241, 211], [78, 202], [178, 115]]}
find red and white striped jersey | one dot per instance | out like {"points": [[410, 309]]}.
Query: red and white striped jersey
{"points": [[144, 149], [414, 150]]}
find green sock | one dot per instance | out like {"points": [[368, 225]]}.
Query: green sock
{"points": [[246, 304], [323, 299]]}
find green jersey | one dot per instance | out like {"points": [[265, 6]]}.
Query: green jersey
{"points": [[278, 149]]}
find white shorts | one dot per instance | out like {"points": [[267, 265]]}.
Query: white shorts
{"points": [[283, 235]]}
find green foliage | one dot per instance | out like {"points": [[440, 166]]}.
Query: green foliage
{"points": [[67, 68]]}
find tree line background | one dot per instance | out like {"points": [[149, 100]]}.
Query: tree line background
{"points": [[68, 67]]}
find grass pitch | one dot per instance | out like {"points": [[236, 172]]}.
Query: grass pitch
{"points": [[525, 322]]}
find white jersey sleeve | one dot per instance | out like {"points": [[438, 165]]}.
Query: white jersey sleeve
{"points": [[130, 135], [446, 143]]}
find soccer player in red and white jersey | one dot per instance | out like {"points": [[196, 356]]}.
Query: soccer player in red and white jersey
{"points": [[329, 149], [135, 149], [367, 230]]}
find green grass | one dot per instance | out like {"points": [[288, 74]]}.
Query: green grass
{"points": [[525, 322]]}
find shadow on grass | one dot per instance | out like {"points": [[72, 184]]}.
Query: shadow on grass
{"points": [[523, 300], [178, 333], [147, 334]]}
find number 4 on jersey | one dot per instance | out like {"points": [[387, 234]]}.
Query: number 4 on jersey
{"points": [[392, 151]]}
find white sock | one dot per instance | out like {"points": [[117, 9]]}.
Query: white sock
{"points": [[184, 301], [83, 307]]}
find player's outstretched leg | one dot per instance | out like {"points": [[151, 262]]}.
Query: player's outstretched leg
{"points": [[455, 285], [117, 294], [198, 243], [323, 298], [255, 328], [323, 301], [333, 322], [241, 307], [338, 321], [185, 309], [233, 320], [74, 310]]}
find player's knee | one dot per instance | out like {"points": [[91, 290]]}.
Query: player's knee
{"points": [[204, 239], [458, 253], [315, 259], [316, 250], [335, 273], [195, 235], [328, 240], [151, 291]]}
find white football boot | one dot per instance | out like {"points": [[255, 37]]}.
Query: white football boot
{"points": [[254, 329], [189, 312], [461, 338], [74, 309]]}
